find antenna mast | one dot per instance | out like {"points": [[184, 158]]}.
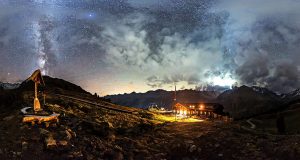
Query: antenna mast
{"points": [[175, 92]]}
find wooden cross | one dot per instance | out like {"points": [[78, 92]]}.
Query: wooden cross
{"points": [[37, 78]]}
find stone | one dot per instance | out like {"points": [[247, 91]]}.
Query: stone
{"points": [[118, 156], [47, 124], [53, 125], [220, 155], [113, 154], [193, 148], [101, 129], [72, 132], [68, 135], [118, 148], [75, 155], [63, 143], [8, 118], [44, 132], [111, 137], [189, 141], [50, 142], [24, 145], [110, 125]]}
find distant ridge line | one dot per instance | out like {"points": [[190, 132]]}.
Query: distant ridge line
{"points": [[97, 104]]}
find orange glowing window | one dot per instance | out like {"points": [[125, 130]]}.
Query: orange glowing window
{"points": [[202, 107]]}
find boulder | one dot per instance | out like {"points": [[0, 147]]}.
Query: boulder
{"points": [[63, 143], [101, 129], [50, 142]]}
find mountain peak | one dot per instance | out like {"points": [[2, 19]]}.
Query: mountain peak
{"points": [[9, 85], [292, 94], [54, 84]]}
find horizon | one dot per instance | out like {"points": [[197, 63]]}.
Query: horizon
{"points": [[218, 89]]}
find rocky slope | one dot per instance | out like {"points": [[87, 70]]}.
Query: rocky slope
{"points": [[90, 128], [244, 102], [86, 126], [291, 97]]}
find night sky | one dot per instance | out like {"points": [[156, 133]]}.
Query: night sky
{"points": [[117, 46]]}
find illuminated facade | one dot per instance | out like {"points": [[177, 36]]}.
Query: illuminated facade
{"points": [[198, 109]]}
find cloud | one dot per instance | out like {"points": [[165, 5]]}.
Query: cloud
{"points": [[262, 37], [176, 56], [210, 87]]}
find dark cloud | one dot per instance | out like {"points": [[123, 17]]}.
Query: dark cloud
{"points": [[261, 39], [285, 77], [268, 57], [157, 82]]}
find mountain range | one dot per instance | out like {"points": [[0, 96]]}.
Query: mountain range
{"points": [[9, 85], [162, 98], [239, 102]]}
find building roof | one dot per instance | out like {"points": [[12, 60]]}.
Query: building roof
{"points": [[198, 106]]}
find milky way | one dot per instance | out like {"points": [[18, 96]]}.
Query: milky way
{"points": [[117, 46]]}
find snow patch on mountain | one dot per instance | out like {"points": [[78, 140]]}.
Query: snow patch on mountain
{"points": [[9, 85]]}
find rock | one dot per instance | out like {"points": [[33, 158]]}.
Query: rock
{"points": [[75, 155], [72, 132], [50, 142], [118, 156], [35, 137], [155, 141], [118, 148], [146, 127], [217, 145], [220, 155], [68, 135], [189, 141], [141, 154], [193, 148], [44, 132], [114, 155], [1, 152], [63, 143], [101, 129], [54, 125], [110, 125], [111, 137], [24, 145], [160, 155], [199, 149], [8, 118]]}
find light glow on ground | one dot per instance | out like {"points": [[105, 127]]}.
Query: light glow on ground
{"points": [[171, 118]]}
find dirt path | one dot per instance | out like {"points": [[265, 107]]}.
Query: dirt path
{"points": [[252, 125]]}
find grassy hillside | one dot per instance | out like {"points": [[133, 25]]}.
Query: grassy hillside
{"points": [[267, 122]]}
